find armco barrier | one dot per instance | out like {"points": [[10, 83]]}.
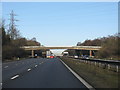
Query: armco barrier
{"points": [[105, 64]]}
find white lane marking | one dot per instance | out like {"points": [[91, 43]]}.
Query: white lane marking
{"points": [[28, 69], [36, 65], [1, 84], [15, 77], [6, 67]]}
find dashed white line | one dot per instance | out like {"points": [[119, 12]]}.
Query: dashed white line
{"points": [[36, 65], [1, 84], [15, 77], [28, 69], [6, 67]]}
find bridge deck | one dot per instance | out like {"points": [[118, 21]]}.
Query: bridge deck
{"points": [[72, 47]]}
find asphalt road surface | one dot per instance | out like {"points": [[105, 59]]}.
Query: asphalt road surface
{"points": [[38, 73]]}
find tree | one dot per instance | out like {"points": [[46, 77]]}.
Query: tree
{"points": [[11, 41], [110, 47], [5, 37], [19, 42], [79, 43], [33, 39]]}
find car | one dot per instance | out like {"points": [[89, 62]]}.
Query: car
{"points": [[75, 56], [51, 56], [85, 57]]}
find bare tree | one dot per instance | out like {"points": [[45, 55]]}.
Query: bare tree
{"points": [[33, 39], [79, 43], [2, 23]]}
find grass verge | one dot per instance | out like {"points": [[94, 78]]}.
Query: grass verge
{"points": [[97, 77]]}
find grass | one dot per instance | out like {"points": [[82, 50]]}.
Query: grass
{"points": [[97, 77]]}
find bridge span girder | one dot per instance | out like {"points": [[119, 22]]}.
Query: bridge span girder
{"points": [[74, 47]]}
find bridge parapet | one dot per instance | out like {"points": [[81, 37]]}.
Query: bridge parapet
{"points": [[62, 47], [88, 46]]}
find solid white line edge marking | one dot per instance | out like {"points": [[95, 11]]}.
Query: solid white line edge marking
{"points": [[78, 77], [15, 77]]}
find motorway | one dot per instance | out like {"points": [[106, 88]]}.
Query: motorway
{"points": [[38, 73]]}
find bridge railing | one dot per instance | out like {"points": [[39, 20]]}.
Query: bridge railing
{"points": [[63, 47], [31, 46], [88, 46]]}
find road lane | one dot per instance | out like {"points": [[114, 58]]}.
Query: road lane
{"points": [[49, 74], [12, 68]]}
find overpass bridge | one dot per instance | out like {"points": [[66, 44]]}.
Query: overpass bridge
{"points": [[90, 48]]}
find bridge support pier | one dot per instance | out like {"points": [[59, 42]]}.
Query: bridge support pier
{"points": [[90, 53], [32, 53]]}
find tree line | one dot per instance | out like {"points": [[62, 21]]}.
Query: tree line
{"points": [[110, 46], [12, 41]]}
